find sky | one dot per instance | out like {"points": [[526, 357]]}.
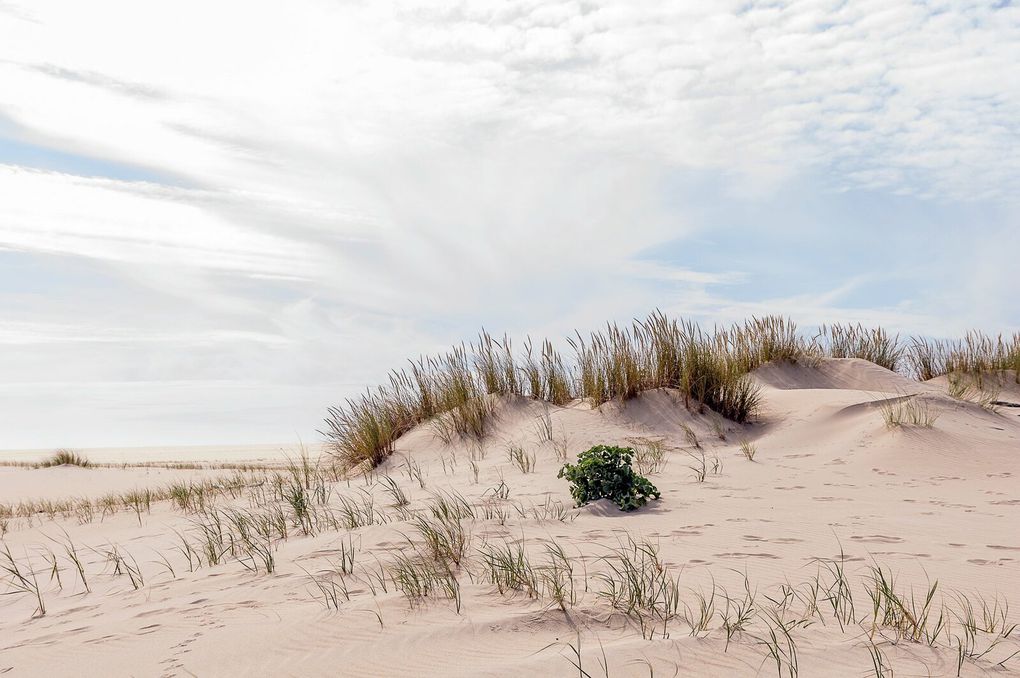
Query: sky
{"points": [[217, 219]]}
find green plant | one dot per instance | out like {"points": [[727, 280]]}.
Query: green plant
{"points": [[606, 472]]}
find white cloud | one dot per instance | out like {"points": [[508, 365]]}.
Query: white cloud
{"points": [[144, 224], [344, 184]]}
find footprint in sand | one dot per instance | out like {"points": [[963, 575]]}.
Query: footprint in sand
{"points": [[901, 553], [877, 539]]}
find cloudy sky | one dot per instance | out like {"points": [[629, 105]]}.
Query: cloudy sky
{"points": [[216, 219]]}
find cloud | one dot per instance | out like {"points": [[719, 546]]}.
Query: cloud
{"points": [[311, 196], [144, 224], [896, 95]]}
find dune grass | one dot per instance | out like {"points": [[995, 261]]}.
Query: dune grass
{"points": [[520, 458], [456, 393], [980, 390], [978, 355], [908, 411], [65, 458], [748, 449], [649, 455], [857, 341]]}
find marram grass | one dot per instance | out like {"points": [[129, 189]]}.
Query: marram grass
{"points": [[456, 394]]}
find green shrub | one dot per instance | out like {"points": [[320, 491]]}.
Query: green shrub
{"points": [[605, 472]]}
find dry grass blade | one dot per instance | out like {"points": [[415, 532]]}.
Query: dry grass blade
{"points": [[748, 449]]}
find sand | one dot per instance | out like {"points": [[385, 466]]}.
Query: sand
{"points": [[828, 478]]}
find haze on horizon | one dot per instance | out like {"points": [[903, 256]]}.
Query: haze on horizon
{"points": [[218, 219]]}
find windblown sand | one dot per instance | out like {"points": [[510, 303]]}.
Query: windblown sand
{"points": [[829, 477]]}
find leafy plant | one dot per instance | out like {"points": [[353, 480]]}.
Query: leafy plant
{"points": [[606, 472]]}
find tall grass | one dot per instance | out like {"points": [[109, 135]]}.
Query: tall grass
{"points": [[710, 369], [612, 364], [764, 340], [977, 355], [857, 341], [457, 393]]}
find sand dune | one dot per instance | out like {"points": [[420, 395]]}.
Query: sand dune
{"points": [[830, 483]]}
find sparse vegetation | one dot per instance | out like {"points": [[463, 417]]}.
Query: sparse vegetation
{"points": [[66, 458], [523, 460], [638, 583], [748, 449], [649, 455], [908, 411], [983, 391], [633, 580], [21, 578]]}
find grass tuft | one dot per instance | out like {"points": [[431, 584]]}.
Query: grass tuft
{"points": [[857, 341], [66, 458], [908, 411]]}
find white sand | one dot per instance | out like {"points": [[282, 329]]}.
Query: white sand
{"points": [[940, 503]]}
